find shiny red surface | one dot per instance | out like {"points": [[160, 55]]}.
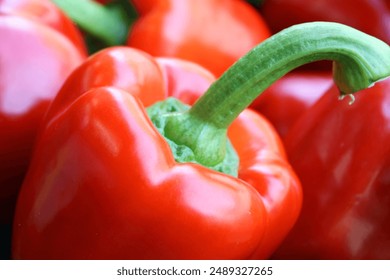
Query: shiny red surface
{"points": [[212, 33], [34, 62], [341, 154], [103, 183], [184, 79], [46, 13], [289, 97], [127, 68]]}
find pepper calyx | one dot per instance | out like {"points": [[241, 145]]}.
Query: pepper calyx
{"points": [[171, 110]]}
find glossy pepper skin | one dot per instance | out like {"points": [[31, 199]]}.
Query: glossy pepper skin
{"points": [[131, 187], [35, 59], [341, 153], [106, 183], [46, 13], [288, 98], [125, 68], [280, 14], [184, 79], [212, 33]]}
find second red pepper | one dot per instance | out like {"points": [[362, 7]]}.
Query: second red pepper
{"points": [[341, 154], [39, 48], [212, 33]]}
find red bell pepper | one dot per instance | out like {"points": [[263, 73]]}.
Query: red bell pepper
{"points": [[338, 150], [341, 153], [35, 59], [212, 33], [107, 183]]}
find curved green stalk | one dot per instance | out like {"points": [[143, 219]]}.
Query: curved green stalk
{"points": [[359, 61]]}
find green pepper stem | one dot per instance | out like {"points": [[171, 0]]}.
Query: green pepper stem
{"points": [[359, 61], [108, 23]]}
